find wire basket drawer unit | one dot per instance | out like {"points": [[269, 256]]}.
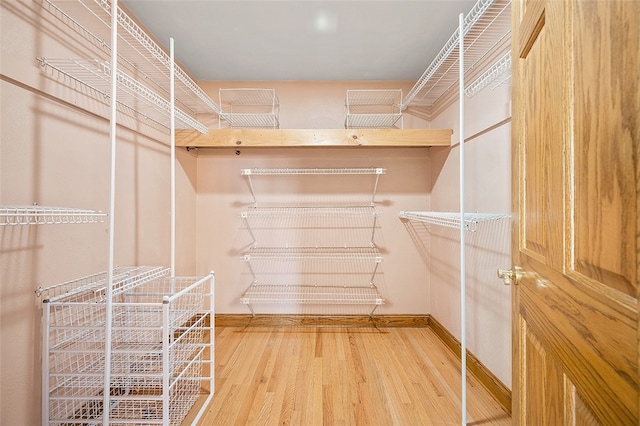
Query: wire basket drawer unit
{"points": [[159, 351]]}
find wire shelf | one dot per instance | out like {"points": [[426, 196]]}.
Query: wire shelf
{"points": [[137, 52], [373, 109], [498, 74], [316, 171], [335, 295], [486, 27], [282, 212], [132, 95], [451, 219], [248, 121], [372, 121], [249, 108], [93, 286], [40, 215], [323, 254]]}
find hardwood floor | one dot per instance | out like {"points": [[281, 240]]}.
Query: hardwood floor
{"points": [[309, 375]]}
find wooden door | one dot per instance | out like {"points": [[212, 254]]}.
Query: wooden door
{"points": [[576, 187]]}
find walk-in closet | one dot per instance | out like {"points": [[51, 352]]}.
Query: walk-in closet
{"points": [[287, 212]]}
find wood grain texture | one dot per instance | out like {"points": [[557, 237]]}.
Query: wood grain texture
{"points": [[278, 320], [243, 138], [576, 138], [307, 375]]}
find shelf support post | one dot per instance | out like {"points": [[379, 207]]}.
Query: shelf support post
{"points": [[109, 291], [463, 315]]}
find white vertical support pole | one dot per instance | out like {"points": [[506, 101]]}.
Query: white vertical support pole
{"points": [[212, 353], [173, 159], [112, 198], [166, 306], [46, 315], [212, 335], [463, 304]]}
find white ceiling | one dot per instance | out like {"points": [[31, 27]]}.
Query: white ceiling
{"points": [[302, 40]]}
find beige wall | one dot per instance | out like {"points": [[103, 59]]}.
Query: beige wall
{"points": [[223, 193], [487, 190]]}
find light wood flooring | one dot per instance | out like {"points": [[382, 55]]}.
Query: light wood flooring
{"points": [[305, 375]]}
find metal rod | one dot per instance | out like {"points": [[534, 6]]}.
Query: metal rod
{"points": [[172, 108], [166, 305], [108, 306], [375, 190], [373, 229], [373, 274], [253, 194], [46, 315], [463, 316]]}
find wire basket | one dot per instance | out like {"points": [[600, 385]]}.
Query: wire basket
{"points": [[161, 342]]}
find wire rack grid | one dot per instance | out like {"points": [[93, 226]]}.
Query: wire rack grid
{"points": [[249, 108], [41, 215], [487, 26], [158, 350], [137, 51], [499, 73], [452, 219], [373, 109]]}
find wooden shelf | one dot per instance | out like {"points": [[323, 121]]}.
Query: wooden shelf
{"points": [[263, 138]]}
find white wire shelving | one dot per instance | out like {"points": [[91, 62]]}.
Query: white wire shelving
{"points": [[159, 349], [373, 109], [312, 295], [312, 255], [486, 28], [316, 171], [144, 68], [249, 108], [376, 171], [133, 96], [130, 345], [328, 254], [275, 212], [41, 215], [324, 264], [498, 74], [315, 227], [452, 219]]}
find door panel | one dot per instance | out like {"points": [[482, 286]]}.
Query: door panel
{"points": [[600, 142], [576, 181]]}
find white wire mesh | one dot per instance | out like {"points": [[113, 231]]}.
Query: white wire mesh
{"points": [[373, 109], [500, 72], [249, 108], [249, 96], [312, 226], [75, 338], [96, 75], [242, 120], [487, 25], [137, 52], [40, 215], [316, 295], [316, 171], [343, 267], [371, 121], [451, 219]]}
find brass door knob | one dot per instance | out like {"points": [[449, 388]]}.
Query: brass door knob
{"points": [[510, 276]]}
